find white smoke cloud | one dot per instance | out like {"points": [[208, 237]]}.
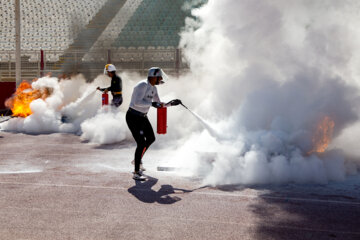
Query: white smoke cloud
{"points": [[108, 126], [266, 73]]}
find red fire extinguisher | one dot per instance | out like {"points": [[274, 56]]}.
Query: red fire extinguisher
{"points": [[105, 99], [161, 120]]}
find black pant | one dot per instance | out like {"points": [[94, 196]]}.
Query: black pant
{"points": [[142, 132], [117, 100]]}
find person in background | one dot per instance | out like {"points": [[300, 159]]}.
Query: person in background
{"points": [[115, 87]]}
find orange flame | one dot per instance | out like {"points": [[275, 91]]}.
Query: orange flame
{"points": [[19, 103], [323, 135]]}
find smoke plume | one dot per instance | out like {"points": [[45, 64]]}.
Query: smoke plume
{"points": [[267, 72]]}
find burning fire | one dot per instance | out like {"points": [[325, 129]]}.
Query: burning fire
{"points": [[323, 135], [19, 103]]}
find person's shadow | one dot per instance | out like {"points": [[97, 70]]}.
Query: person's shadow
{"points": [[143, 192]]}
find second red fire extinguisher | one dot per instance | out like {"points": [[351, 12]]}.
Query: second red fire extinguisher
{"points": [[105, 99]]}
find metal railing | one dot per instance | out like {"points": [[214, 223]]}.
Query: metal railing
{"points": [[92, 63]]}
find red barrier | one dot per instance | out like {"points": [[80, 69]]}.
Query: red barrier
{"points": [[161, 120], [6, 90], [105, 99]]}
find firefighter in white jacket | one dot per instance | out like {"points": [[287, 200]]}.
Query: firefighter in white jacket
{"points": [[143, 97]]}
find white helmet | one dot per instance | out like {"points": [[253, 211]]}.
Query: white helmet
{"points": [[109, 68], [157, 72]]}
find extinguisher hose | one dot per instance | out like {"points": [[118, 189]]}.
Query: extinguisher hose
{"points": [[10, 117], [7, 119]]}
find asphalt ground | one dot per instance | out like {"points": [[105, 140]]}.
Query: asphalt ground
{"points": [[58, 187]]}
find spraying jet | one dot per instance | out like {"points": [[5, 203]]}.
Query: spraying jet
{"points": [[211, 130], [162, 127], [67, 118], [162, 119]]}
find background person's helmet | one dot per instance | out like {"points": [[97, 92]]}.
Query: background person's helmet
{"points": [[109, 68], [157, 72]]}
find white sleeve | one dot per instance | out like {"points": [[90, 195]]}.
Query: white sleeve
{"points": [[156, 97], [139, 95]]}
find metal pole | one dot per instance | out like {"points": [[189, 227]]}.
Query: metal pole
{"points": [[18, 43], [41, 63]]}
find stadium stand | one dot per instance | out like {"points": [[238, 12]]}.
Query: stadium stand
{"points": [[155, 23], [88, 36], [78, 36], [49, 26], [116, 25]]}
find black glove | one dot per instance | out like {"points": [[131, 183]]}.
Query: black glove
{"points": [[175, 102], [156, 105]]}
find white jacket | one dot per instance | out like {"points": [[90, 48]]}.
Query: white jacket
{"points": [[143, 96]]}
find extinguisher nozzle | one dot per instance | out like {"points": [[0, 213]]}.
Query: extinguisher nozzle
{"points": [[183, 105]]}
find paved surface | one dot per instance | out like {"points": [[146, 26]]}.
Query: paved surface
{"points": [[57, 187]]}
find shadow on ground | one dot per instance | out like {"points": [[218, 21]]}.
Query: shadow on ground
{"points": [[143, 192], [112, 146], [286, 218], [300, 212]]}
